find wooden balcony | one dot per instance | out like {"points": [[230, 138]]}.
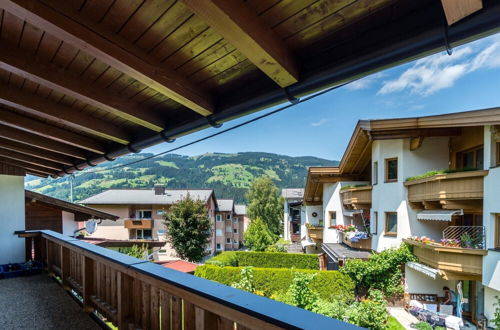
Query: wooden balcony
{"points": [[357, 198], [363, 244], [315, 233], [454, 263], [133, 293], [461, 190], [138, 224]]}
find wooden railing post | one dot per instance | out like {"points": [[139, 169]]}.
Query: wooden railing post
{"points": [[88, 283], [49, 250], [29, 248], [65, 268], [124, 296], [37, 247]]}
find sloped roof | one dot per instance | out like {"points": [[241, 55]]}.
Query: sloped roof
{"points": [[292, 193], [225, 205], [179, 265], [240, 209], [146, 196]]}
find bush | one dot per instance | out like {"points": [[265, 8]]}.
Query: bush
{"points": [[266, 260], [276, 281], [423, 326]]}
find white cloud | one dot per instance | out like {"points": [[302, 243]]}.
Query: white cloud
{"points": [[439, 71], [365, 82], [320, 122]]}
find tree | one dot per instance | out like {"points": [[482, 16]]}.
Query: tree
{"points": [[188, 228], [136, 251], [257, 237], [266, 203]]}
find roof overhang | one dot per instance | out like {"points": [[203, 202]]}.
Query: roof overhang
{"points": [[438, 215], [105, 94]]}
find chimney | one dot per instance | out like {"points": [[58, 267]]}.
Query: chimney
{"points": [[160, 189]]}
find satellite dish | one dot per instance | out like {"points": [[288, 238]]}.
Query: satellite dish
{"points": [[91, 226]]}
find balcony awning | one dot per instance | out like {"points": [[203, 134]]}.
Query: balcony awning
{"points": [[438, 215], [351, 213], [307, 242], [426, 270]]}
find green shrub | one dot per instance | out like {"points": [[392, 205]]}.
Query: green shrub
{"points": [[423, 326], [266, 260], [436, 172], [276, 281]]}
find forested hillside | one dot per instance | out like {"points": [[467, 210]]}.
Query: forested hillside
{"points": [[229, 174]]}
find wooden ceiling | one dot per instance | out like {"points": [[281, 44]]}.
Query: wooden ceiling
{"points": [[85, 81]]}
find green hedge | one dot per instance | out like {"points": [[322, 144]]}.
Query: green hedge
{"points": [[266, 260], [328, 284]]}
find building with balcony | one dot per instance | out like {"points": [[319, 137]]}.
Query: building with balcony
{"points": [[230, 225], [431, 182], [141, 213], [292, 213]]}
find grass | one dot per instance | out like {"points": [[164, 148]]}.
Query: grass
{"points": [[393, 324], [436, 172]]}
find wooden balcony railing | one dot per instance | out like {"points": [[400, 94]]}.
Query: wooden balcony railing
{"points": [[446, 188], [137, 294], [453, 262], [357, 197], [363, 244], [138, 224], [315, 233]]}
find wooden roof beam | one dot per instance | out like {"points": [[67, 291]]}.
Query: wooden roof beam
{"points": [[35, 152], [41, 107], [33, 140], [51, 132], [32, 160], [27, 166], [245, 31], [110, 49], [36, 173], [57, 78]]}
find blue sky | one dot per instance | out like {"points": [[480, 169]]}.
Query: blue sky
{"points": [[469, 79]]}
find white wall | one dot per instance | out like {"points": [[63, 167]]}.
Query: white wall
{"points": [[111, 230], [69, 225], [12, 218], [392, 196], [416, 282], [489, 300]]}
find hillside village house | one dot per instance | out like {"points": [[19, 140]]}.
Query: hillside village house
{"points": [[385, 187], [85, 82], [141, 214]]}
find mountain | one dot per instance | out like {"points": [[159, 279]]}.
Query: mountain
{"points": [[229, 175]]}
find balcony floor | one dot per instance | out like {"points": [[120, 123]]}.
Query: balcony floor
{"points": [[37, 302]]}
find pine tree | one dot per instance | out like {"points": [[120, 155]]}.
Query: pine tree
{"points": [[266, 203], [188, 228]]}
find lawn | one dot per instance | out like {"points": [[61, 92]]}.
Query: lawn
{"points": [[393, 324]]}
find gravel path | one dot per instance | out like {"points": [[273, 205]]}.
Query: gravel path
{"points": [[37, 302]]}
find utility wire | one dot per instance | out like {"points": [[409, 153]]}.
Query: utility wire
{"points": [[298, 101]]}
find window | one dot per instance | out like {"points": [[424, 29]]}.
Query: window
{"points": [[375, 223], [143, 234], [235, 242], [218, 247], [229, 229], [472, 158], [218, 218], [162, 232], [143, 214], [235, 220], [391, 223], [497, 232], [162, 251], [375, 173], [333, 218], [228, 240], [160, 212], [218, 232], [391, 170], [235, 230], [228, 216]]}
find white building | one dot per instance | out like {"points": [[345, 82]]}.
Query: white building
{"points": [[436, 178], [292, 214]]}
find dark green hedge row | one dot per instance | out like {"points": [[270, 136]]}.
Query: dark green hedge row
{"points": [[266, 260], [328, 284]]}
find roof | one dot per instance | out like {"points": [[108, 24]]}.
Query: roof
{"points": [[225, 205], [240, 209], [357, 156], [82, 213], [113, 77], [179, 265], [146, 196], [292, 193], [341, 251]]}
